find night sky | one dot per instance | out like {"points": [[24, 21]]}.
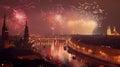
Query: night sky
{"points": [[60, 16]]}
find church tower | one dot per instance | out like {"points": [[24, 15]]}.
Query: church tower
{"points": [[5, 40], [112, 32], [115, 31], [109, 31], [26, 34]]}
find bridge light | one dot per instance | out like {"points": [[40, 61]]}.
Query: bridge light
{"points": [[102, 53], [90, 51], [83, 48]]}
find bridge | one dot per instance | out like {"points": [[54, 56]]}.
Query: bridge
{"points": [[41, 41], [36, 39]]}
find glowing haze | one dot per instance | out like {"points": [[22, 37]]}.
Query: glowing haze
{"points": [[18, 21], [77, 20], [20, 16], [52, 17], [82, 26]]}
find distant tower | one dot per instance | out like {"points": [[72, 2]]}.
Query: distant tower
{"points": [[109, 31], [5, 41], [26, 34], [115, 31]]}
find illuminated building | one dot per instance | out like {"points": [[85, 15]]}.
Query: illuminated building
{"points": [[109, 31], [114, 32]]}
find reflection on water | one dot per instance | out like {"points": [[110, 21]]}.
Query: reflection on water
{"points": [[54, 52]]}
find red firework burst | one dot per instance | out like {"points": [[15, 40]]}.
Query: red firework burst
{"points": [[19, 16]]}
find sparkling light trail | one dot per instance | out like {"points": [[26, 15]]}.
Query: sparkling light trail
{"points": [[17, 21], [19, 16], [83, 19], [57, 15]]}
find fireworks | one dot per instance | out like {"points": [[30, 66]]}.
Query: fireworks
{"points": [[58, 18], [83, 19], [18, 21], [73, 17], [19, 16]]}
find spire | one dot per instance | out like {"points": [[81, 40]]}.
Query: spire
{"points": [[26, 28], [109, 31], [4, 27], [26, 23], [4, 20], [5, 34], [114, 29], [26, 34]]}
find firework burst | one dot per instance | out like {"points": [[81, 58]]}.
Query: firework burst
{"points": [[83, 19]]}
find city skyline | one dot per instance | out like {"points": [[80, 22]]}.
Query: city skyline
{"points": [[59, 33]]}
